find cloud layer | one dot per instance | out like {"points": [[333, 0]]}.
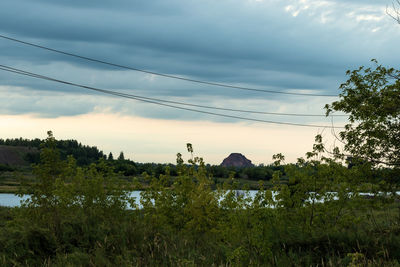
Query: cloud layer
{"points": [[296, 45]]}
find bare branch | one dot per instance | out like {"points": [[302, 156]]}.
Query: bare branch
{"points": [[394, 11], [333, 132]]}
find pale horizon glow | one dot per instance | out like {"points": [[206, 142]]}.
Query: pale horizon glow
{"points": [[157, 140]]}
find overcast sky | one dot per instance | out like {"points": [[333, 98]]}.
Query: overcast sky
{"points": [[302, 46]]}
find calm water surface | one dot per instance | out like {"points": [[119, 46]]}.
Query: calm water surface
{"points": [[11, 200]]}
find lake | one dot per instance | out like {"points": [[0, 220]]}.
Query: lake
{"points": [[11, 200]]}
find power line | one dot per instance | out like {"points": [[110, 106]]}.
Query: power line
{"points": [[227, 109], [230, 109], [38, 76], [158, 73]]}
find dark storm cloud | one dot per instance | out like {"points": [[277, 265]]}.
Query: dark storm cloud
{"points": [[275, 45]]}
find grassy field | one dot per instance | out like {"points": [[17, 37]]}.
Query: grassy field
{"points": [[11, 182]]}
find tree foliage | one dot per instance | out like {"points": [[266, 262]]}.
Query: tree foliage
{"points": [[371, 97]]}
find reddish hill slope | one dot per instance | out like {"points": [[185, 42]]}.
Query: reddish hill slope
{"points": [[236, 160], [14, 155]]}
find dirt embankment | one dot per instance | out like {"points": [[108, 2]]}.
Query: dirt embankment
{"points": [[14, 155]]}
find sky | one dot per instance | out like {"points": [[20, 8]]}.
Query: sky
{"points": [[290, 46]]}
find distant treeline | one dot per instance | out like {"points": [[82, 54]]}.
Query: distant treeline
{"points": [[86, 155], [261, 172]]}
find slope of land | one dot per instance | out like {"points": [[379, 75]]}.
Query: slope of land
{"points": [[15, 155], [236, 160]]}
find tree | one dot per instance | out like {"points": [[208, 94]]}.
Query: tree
{"points": [[121, 156], [394, 12], [371, 97], [110, 156]]}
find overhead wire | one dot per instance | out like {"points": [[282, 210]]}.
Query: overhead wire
{"points": [[161, 74], [152, 100], [231, 109], [234, 110]]}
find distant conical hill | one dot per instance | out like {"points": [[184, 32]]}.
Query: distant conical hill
{"points": [[236, 160]]}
